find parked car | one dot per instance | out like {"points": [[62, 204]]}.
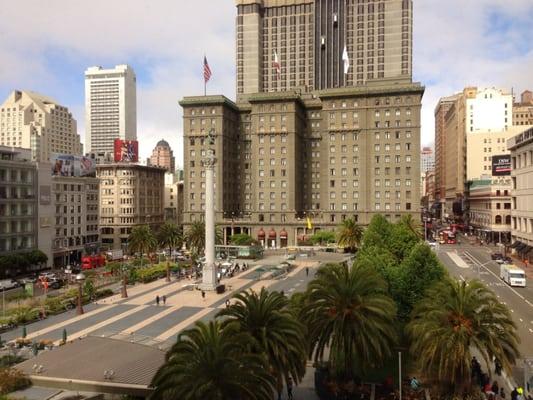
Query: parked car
{"points": [[496, 256], [7, 284]]}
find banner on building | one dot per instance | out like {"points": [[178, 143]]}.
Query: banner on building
{"points": [[501, 165], [69, 165], [126, 150]]}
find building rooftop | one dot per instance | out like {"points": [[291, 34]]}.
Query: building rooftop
{"points": [[163, 143], [98, 364]]}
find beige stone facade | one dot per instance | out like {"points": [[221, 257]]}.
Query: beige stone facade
{"points": [[130, 195], [76, 228], [32, 121], [490, 209], [163, 156], [521, 147], [309, 37], [327, 155], [470, 127], [523, 111]]}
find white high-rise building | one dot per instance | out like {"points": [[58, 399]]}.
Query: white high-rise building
{"points": [[32, 121], [110, 107]]}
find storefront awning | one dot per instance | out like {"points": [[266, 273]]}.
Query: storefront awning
{"points": [[515, 244], [521, 246], [526, 249]]}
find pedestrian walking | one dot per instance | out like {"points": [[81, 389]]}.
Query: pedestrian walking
{"points": [[157, 299], [289, 389], [307, 271], [203, 295], [514, 394], [502, 393], [164, 299], [227, 303]]}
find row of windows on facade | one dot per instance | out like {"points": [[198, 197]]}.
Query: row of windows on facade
{"points": [[18, 243], [131, 220], [16, 227], [523, 224], [523, 160], [16, 210], [129, 210]]}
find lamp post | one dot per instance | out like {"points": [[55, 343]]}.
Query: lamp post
{"points": [[80, 278], [209, 272]]}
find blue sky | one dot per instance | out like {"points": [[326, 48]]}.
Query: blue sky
{"points": [[46, 46]]}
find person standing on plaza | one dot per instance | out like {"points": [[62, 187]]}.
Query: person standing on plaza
{"points": [[203, 295], [157, 300], [164, 299], [289, 389], [307, 271]]}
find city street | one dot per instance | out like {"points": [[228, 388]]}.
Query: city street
{"points": [[467, 261]]}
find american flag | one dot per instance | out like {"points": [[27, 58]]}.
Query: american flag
{"points": [[207, 70]]}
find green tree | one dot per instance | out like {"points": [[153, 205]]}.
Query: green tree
{"points": [[348, 311], [323, 237], [242, 239], [142, 240], [211, 362], [350, 234], [452, 320], [420, 270], [278, 335], [195, 236], [169, 236], [89, 289]]}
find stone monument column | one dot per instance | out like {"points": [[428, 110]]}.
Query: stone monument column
{"points": [[209, 272]]}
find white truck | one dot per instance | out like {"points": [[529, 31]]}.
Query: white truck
{"points": [[114, 255], [512, 275]]}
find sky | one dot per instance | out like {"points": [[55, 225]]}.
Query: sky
{"points": [[45, 46]]}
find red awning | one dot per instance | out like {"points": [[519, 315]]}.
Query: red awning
{"points": [[261, 234], [283, 234], [272, 234]]}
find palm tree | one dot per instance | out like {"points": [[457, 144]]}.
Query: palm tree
{"points": [[277, 334], [347, 310], [412, 225], [211, 362], [349, 234], [169, 236], [142, 240], [455, 318], [195, 236]]}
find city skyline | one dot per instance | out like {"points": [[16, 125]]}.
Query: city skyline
{"points": [[478, 46]]}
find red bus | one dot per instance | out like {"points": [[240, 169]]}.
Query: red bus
{"points": [[90, 262]]}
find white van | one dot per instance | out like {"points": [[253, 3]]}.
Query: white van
{"points": [[512, 275], [7, 284]]}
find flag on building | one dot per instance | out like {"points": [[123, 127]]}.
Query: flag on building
{"points": [[346, 60], [207, 70], [309, 223], [276, 64]]}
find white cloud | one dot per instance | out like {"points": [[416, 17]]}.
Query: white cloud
{"points": [[455, 45]]}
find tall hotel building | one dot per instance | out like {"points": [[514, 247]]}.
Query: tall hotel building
{"points": [[310, 144], [32, 121], [110, 107], [309, 36]]}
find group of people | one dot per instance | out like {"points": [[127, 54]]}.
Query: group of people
{"points": [[232, 270], [162, 299]]}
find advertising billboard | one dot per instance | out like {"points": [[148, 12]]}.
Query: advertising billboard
{"points": [[501, 165], [69, 165], [126, 150]]}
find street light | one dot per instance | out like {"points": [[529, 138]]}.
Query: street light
{"points": [[80, 278]]}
